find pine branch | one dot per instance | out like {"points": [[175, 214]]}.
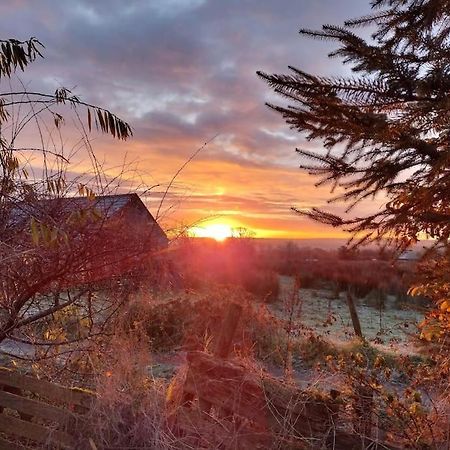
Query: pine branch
{"points": [[386, 130]]}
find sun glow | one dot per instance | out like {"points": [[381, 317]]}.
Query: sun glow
{"points": [[217, 231]]}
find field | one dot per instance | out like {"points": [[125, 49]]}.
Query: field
{"points": [[319, 311]]}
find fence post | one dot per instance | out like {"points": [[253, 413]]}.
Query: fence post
{"points": [[354, 315], [224, 342]]}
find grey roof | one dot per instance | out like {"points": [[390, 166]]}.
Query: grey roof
{"points": [[107, 205], [408, 255]]}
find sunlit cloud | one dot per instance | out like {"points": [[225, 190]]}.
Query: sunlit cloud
{"points": [[181, 72]]}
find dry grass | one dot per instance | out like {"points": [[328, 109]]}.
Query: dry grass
{"points": [[134, 410], [130, 411]]}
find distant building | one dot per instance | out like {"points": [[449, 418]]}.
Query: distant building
{"points": [[408, 255], [107, 236]]}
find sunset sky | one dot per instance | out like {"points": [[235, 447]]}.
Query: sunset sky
{"points": [[181, 72]]}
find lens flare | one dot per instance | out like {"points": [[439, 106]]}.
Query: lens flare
{"points": [[217, 231]]}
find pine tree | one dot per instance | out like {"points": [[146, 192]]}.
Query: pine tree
{"points": [[386, 129]]}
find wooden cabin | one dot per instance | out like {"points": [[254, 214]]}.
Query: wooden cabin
{"points": [[98, 238]]}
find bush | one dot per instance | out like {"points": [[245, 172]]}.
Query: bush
{"points": [[308, 280], [263, 284], [314, 349], [376, 298], [191, 321]]}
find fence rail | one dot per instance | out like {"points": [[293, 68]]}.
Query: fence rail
{"points": [[37, 411]]}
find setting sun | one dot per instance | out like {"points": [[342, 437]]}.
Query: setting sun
{"points": [[217, 231]]}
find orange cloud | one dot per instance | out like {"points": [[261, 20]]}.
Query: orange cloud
{"points": [[214, 191]]}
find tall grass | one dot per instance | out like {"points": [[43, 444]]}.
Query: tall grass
{"points": [[131, 409]]}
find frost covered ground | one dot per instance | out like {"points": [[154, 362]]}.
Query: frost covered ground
{"points": [[329, 317]]}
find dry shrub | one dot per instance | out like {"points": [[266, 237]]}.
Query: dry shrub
{"points": [[262, 283], [191, 320], [130, 411], [411, 414], [135, 411]]}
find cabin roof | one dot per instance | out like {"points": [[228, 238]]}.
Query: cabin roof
{"points": [[108, 206]]}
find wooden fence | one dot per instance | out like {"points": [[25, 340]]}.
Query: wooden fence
{"points": [[37, 412], [222, 404], [255, 406], [227, 405]]}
